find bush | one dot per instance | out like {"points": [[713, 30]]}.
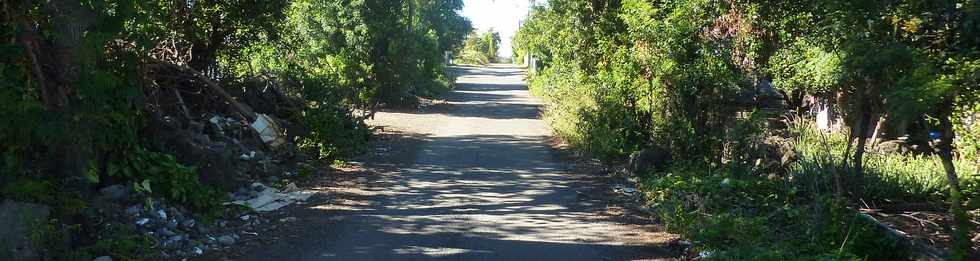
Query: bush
{"points": [[740, 217], [160, 174]]}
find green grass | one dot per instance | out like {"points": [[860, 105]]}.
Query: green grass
{"points": [[890, 177], [740, 215]]}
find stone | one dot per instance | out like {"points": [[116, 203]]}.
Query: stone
{"points": [[247, 156], [893, 147], [272, 179], [226, 240], [114, 192], [188, 223], [240, 196], [201, 139], [301, 157], [162, 214], [258, 155], [213, 128], [103, 258], [202, 229], [17, 223], [173, 241], [175, 213], [134, 210], [651, 159], [166, 232], [172, 224], [195, 127]]}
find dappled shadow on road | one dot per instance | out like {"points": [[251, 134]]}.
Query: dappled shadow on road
{"points": [[484, 185], [491, 101], [471, 197], [471, 71]]}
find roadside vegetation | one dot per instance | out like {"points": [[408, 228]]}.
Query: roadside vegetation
{"points": [[112, 93], [480, 48], [729, 91]]}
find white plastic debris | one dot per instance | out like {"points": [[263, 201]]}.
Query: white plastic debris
{"points": [[268, 130], [143, 221], [247, 156], [625, 190], [270, 199]]}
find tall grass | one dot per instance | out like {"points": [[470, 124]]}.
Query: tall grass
{"points": [[889, 177]]}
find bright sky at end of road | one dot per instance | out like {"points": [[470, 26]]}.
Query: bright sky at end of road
{"points": [[504, 16]]}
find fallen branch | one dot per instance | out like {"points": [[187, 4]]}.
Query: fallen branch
{"points": [[919, 251], [183, 106], [213, 86]]}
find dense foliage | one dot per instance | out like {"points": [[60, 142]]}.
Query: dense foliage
{"points": [[479, 48], [80, 81], [694, 77]]}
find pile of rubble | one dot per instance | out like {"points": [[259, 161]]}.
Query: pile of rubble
{"points": [[176, 231], [234, 148]]}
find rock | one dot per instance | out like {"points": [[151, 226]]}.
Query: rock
{"points": [[226, 240], [651, 159], [175, 213], [17, 224], [172, 224], [162, 214], [114, 192], [258, 155], [202, 229], [170, 122], [201, 139], [241, 196], [166, 232], [103, 258], [247, 156], [134, 209], [213, 128], [195, 127], [301, 157], [173, 241], [272, 179], [188, 223], [893, 147]]}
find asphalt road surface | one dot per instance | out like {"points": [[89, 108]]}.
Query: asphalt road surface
{"points": [[474, 178]]}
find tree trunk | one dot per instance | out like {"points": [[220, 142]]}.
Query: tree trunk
{"points": [[864, 119], [70, 21], [876, 134], [961, 241]]}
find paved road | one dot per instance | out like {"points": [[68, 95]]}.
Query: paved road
{"points": [[473, 179]]}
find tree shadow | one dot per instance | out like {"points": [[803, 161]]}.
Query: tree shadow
{"points": [[468, 197]]}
